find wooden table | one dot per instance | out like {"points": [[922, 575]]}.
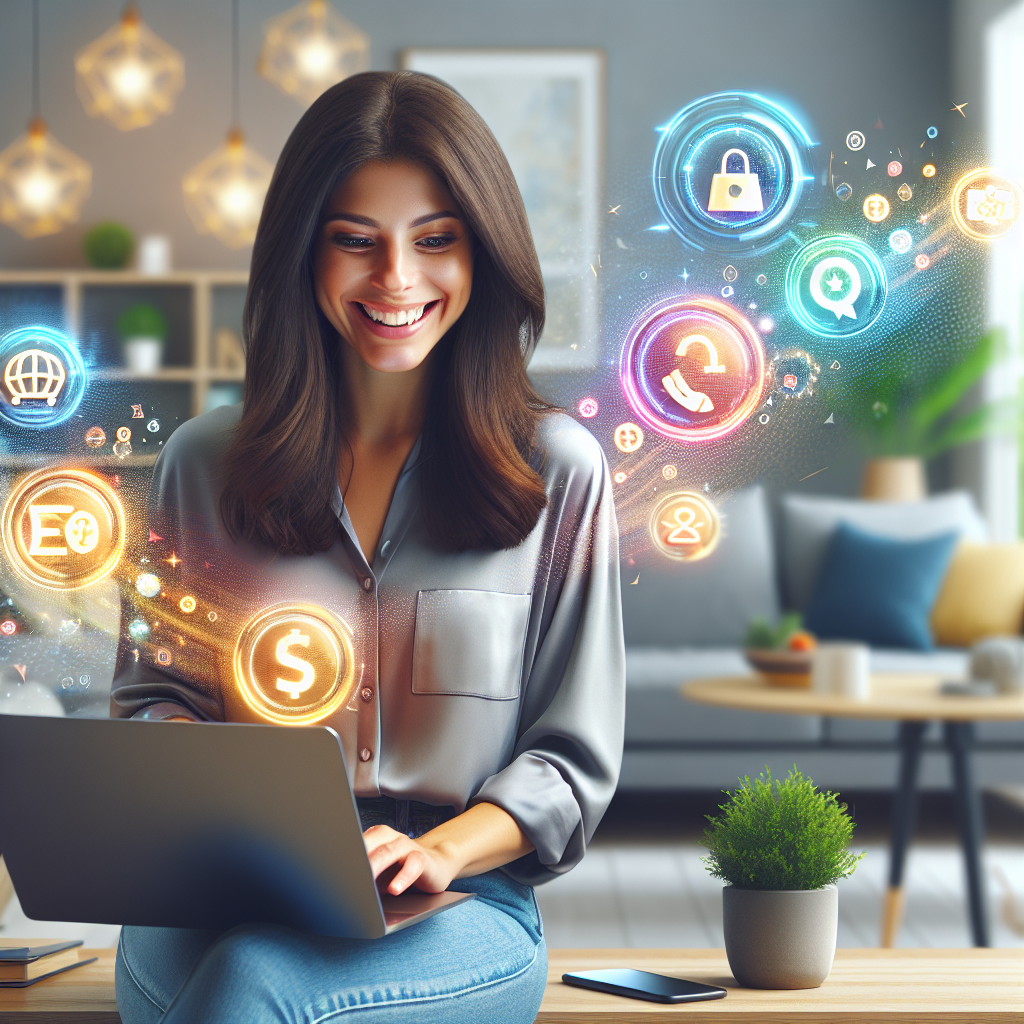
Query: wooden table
{"points": [[913, 701], [866, 986]]}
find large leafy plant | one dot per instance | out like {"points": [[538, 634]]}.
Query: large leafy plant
{"points": [[780, 835], [901, 406]]}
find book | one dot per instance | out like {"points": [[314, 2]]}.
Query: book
{"points": [[30, 970], [50, 972], [32, 949]]}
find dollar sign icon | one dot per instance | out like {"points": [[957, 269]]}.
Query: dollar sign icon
{"points": [[293, 689]]}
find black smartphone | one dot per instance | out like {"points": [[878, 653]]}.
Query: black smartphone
{"points": [[622, 981]]}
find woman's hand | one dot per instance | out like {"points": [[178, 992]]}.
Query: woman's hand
{"points": [[480, 839]]}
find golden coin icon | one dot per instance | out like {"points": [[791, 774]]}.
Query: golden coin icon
{"points": [[628, 437], [876, 208], [294, 664], [63, 529], [685, 526]]}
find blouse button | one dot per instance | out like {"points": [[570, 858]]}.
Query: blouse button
{"points": [[368, 584], [365, 754], [366, 693]]}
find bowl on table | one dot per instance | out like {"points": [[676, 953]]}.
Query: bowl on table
{"points": [[781, 667]]}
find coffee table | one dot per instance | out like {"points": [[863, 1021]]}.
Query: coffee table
{"points": [[913, 701]]}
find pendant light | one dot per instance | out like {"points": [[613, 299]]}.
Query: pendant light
{"points": [[129, 75], [310, 48], [42, 184], [224, 193]]}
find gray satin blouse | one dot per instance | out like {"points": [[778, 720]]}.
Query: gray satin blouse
{"points": [[482, 676]]}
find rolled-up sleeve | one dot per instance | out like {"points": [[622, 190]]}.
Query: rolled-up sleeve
{"points": [[569, 743]]}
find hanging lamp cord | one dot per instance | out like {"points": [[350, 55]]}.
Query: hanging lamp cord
{"points": [[35, 60], [236, 103]]}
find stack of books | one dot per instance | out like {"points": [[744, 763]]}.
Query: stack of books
{"points": [[26, 961]]}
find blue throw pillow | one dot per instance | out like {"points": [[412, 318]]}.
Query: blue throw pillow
{"points": [[878, 590]]}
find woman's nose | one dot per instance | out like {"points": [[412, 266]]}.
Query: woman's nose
{"points": [[394, 270]]}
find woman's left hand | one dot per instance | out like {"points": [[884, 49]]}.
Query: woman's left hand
{"points": [[417, 864]]}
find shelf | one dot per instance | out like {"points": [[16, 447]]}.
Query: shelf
{"points": [[38, 460], [121, 277], [169, 373]]}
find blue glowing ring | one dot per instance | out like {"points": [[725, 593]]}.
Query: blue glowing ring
{"points": [[42, 377], [834, 319], [702, 128]]}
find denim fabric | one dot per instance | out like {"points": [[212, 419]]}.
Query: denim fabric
{"points": [[483, 962]]}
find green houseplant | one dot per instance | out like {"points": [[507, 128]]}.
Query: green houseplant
{"points": [[143, 331], [108, 246], [780, 847]]}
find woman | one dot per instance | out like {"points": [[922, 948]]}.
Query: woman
{"points": [[390, 462]]}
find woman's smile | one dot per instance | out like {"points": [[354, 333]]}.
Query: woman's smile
{"points": [[396, 322]]}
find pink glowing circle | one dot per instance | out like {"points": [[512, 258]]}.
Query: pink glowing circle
{"points": [[693, 369], [588, 408], [922, 262]]}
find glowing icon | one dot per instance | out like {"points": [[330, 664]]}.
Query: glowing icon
{"points": [[95, 437], [669, 472], [138, 630], [905, 192], [901, 241], [932, 133], [928, 170], [735, 192], [148, 584], [153, 426], [790, 381], [63, 529], [895, 168], [835, 286], [871, 163], [922, 262], [730, 273], [985, 204], [628, 437], [763, 419], [876, 208], [187, 604], [163, 656], [797, 371], [692, 369], [620, 477], [588, 408], [685, 526], [8, 627], [137, 412], [675, 384], [844, 191], [212, 616], [288, 686], [761, 279], [122, 448], [855, 141], [727, 291], [123, 434], [34, 375]]}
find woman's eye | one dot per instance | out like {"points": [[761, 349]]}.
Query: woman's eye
{"points": [[436, 241], [352, 241]]}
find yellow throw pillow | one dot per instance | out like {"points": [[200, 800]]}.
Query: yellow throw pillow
{"points": [[982, 595]]}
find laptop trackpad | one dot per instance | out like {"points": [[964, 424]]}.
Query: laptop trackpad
{"points": [[413, 907]]}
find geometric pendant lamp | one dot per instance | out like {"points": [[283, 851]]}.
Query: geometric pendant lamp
{"points": [[224, 193], [310, 48], [129, 75], [42, 184]]}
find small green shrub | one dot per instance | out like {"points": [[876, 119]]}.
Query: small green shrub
{"points": [[108, 246], [142, 321], [761, 634], [780, 835]]}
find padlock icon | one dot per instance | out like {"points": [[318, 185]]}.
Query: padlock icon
{"points": [[735, 193]]}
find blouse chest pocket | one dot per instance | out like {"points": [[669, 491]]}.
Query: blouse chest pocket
{"points": [[469, 643]]}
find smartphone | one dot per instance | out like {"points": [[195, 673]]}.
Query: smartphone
{"points": [[623, 981]]}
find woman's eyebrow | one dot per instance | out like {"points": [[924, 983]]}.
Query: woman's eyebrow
{"points": [[352, 218], [434, 216]]}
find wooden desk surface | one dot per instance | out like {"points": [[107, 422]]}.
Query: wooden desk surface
{"points": [[866, 986], [893, 696]]}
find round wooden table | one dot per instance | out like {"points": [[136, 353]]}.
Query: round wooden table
{"points": [[914, 701]]}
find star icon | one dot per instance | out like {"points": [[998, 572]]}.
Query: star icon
{"points": [[959, 108], [173, 560], [615, 209], [835, 283]]}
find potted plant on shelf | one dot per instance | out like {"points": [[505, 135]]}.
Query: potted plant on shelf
{"points": [[905, 407], [143, 331], [780, 847]]}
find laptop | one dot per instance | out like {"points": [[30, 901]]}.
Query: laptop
{"points": [[182, 825]]}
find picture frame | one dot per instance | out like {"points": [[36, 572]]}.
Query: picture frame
{"points": [[546, 109]]}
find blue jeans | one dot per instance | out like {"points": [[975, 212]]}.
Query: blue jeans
{"points": [[484, 961]]}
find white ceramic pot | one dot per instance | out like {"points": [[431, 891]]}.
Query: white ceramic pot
{"points": [[780, 938], [143, 355]]}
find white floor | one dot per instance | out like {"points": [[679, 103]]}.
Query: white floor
{"points": [[662, 896]]}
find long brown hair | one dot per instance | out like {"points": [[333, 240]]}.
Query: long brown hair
{"points": [[478, 488]]}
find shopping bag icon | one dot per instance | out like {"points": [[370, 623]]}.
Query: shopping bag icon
{"points": [[735, 193]]}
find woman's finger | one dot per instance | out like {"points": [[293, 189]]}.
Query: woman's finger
{"points": [[412, 867]]}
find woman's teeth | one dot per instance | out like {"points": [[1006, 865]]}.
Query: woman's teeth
{"points": [[396, 319]]}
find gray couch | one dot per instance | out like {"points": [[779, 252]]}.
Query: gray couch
{"points": [[687, 620]]}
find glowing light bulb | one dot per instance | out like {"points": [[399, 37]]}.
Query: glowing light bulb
{"points": [[37, 190], [131, 80], [315, 57]]}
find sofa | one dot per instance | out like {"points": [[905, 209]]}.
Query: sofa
{"points": [[685, 620]]}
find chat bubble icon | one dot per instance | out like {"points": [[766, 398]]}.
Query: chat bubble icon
{"points": [[835, 286]]}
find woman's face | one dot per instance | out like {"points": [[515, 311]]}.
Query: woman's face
{"points": [[394, 263]]}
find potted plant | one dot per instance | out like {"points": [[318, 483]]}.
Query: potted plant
{"points": [[905, 406], [782, 653], [143, 330], [108, 246], [780, 847]]}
